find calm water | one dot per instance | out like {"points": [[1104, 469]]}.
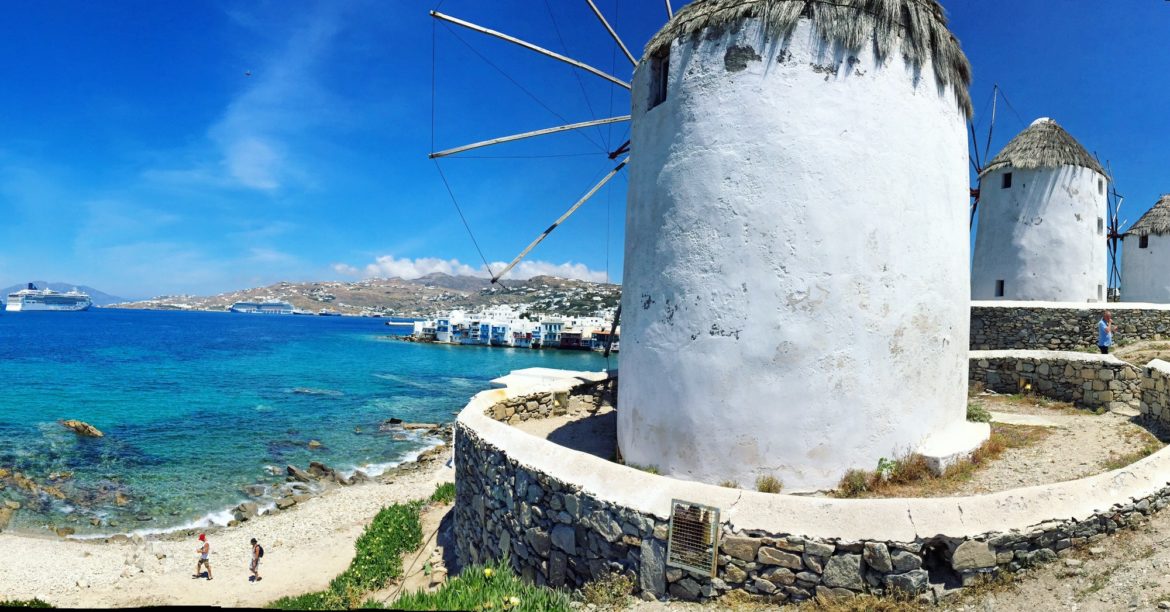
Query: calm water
{"points": [[197, 405]]}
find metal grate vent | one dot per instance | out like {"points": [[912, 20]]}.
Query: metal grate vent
{"points": [[693, 540]]}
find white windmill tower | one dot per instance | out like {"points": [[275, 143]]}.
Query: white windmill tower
{"points": [[777, 320], [1145, 275], [1044, 221]]}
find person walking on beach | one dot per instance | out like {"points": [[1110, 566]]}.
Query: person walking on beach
{"points": [[204, 550], [257, 552], [1105, 332]]}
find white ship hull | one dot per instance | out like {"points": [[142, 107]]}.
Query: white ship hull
{"points": [[22, 306], [33, 299]]}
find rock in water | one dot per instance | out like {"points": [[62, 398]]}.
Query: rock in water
{"points": [[83, 429], [314, 444], [319, 469], [299, 474], [6, 513]]}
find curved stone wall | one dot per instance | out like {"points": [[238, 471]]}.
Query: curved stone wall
{"points": [[1061, 326], [564, 518], [1085, 379]]}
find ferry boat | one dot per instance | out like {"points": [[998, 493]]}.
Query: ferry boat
{"points": [[269, 307], [329, 312], [32, 299]]}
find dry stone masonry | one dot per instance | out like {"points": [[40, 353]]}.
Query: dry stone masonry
{"points": [[1155, 385], [555, 533], [1060, 326], [1085, 379], [586, 398]]}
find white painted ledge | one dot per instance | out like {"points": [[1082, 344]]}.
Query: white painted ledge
{"points": [[1101, 306], [1052, 355], [898, 520]]}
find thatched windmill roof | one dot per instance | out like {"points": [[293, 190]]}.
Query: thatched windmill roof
{"points": [[920, 25], [1156, 220], [1044, 144]]}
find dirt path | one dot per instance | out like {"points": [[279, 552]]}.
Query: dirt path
{"points": [[1080, 444]]}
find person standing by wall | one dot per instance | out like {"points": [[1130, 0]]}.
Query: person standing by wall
{"points": [[1105, 332]]}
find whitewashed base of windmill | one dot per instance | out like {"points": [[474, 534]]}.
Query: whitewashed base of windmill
{"points": [[953, 444]]}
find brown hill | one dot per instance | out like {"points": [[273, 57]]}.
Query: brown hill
{"points": [[416, 297]]}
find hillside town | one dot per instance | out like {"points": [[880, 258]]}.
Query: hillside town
{"points": [[418, 297]]}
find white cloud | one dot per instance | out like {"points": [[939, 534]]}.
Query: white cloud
{"points": [[345, 269], [406, 268], [390, 266]]}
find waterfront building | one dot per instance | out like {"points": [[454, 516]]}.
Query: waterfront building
{"points": [[1043, 214], [795, 297], [1145, 258]]}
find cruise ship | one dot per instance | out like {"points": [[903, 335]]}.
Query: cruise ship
{"points": [[31, 299], [269, 307]]}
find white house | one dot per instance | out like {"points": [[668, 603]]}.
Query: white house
{"points": [[795, 297], [1145, 257], [1042, 221]]}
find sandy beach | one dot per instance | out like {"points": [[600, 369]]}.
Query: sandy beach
{"points": [[305, 547]]}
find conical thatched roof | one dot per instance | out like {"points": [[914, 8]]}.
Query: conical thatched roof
{"points": [[1043, 145], [920, 25], [1156, 220]]}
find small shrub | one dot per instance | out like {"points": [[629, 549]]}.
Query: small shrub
{"points": [[649, 469], [853, 483], [444, 493], [490, 587], [611, 591], [24, 603], [321, 600], [768, 484], [978, 414], [729, 484]]}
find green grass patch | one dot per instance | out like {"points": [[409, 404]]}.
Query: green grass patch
{"points": [[25, 603], [444, 494], [486, 587], [394, 531]]}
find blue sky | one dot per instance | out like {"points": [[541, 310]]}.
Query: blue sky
{"points": [[139, 156]]}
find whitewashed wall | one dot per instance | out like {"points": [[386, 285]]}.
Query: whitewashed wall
{"points": [[1145, 273], [1044, 236], [796, 263]]}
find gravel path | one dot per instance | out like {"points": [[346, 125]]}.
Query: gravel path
{"points": [[1081, 444]]}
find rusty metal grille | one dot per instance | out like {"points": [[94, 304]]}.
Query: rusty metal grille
{"points": [[692, 542]]}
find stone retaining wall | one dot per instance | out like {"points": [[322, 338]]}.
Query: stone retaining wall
{"points": [[1087, 380], [1155, 386], [587, 398], [565, 518], [1061, 326]]}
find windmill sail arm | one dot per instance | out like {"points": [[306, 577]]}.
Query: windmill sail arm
{"points": [[532, 134], [572, 209], [612, 33], [530, 47]]}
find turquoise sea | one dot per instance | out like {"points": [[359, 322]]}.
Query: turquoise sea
{"points": [[195, 406]]}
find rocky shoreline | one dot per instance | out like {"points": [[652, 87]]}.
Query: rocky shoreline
{"points": [[305, 547], [264, 498]]}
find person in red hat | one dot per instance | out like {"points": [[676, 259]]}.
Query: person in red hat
{"points": [[204, 550]]}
